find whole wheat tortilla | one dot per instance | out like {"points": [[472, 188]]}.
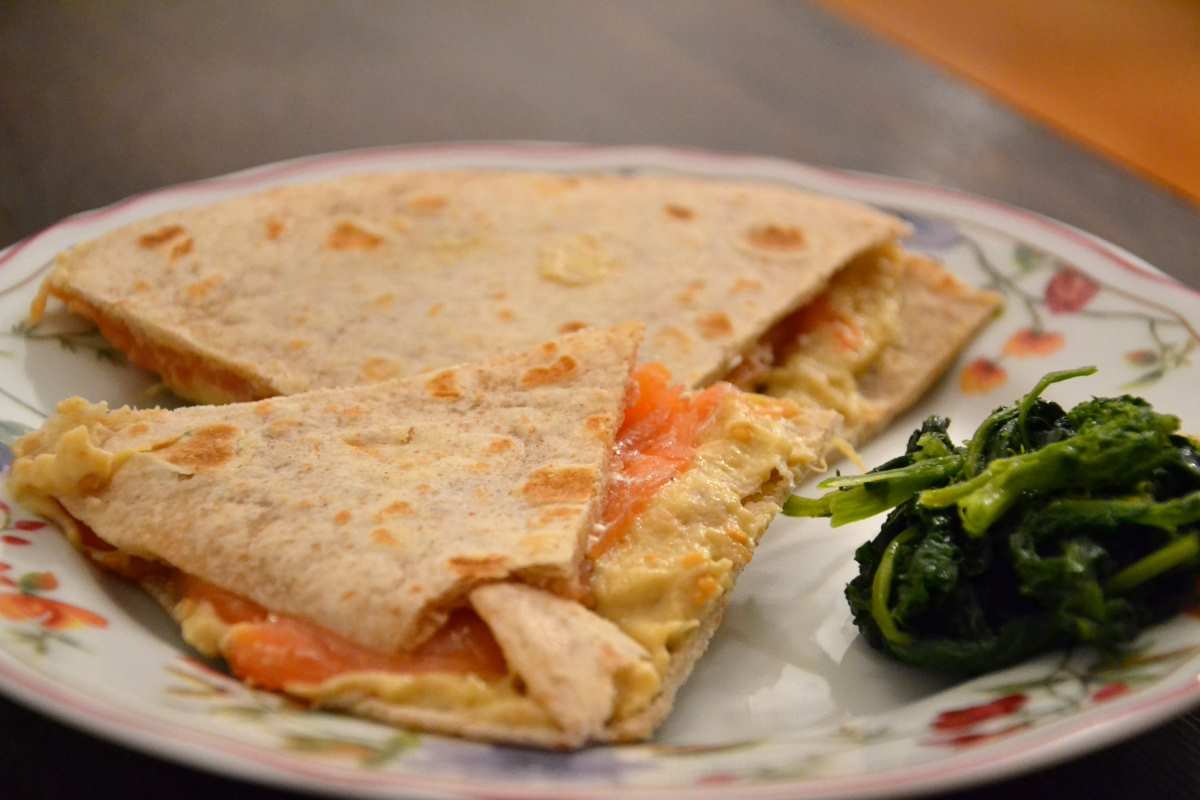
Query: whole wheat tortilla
{"points": [[568, 656], [371, 277], [368, 510]]}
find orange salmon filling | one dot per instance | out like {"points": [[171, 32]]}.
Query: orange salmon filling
{"points": [[656, 442], [186, 374], [273, 651], [787, 335]]}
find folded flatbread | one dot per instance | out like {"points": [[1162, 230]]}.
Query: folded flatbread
{"points": [[372, 277], [533, 549]]}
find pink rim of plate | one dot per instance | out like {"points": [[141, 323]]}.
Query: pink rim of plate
{"points": [[996, 760]]}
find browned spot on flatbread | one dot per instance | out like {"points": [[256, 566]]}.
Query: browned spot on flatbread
{"points": [[344, 413], [688, 296], [280, 428], [776, 237], [160, 236], [673, 338], [444, 385], [383, 536], [560, 370], [341, 518], [506, 315], [499, 446], [436, 308], [203, 448], [362, 445], [715, 325], [746, 285], [679, 212], [559, 485], [424, 488], [598, 425], [383, 302], [140, 286], [571, 327], [263, 409], [480, 566], [555, 514], [378, 369], [500, 295], [182, 248], [396, 509], [347, 236], [139, 428], [199, 289], [428, 204], [274, 229], [296, 345]]}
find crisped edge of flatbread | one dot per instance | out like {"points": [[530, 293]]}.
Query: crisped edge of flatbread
{"points": [[455, 723], [890, 381]]}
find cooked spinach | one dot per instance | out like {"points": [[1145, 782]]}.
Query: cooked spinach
{"points": [[1047, 528]]}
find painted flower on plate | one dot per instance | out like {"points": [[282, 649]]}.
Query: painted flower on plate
{"points": [[1029, 342], [1110, 691], [1069, 291], [981, 376], [27, 605], [970, 716]]}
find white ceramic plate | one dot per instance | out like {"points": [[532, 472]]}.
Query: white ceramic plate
{"points": [[789, 702]]}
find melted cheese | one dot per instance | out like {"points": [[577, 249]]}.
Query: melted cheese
{"points": [[685, 550], [820, 353]]}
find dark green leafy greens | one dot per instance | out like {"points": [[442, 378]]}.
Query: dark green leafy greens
{"points": [[1047, 528]]}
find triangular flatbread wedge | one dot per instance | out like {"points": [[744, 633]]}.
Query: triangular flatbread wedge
{"points": [[532, 549], [371, 277]]}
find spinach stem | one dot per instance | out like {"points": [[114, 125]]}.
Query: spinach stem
{"points": [[1029, 399], [1166, 558], [881, 590]]}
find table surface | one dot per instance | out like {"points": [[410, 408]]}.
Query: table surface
{"points": [[98, 101]]}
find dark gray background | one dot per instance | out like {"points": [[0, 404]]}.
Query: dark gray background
{"points": [[99, 100]]}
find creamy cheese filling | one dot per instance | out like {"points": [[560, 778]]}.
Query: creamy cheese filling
{"points": [[820, 353], [685, 549]]}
